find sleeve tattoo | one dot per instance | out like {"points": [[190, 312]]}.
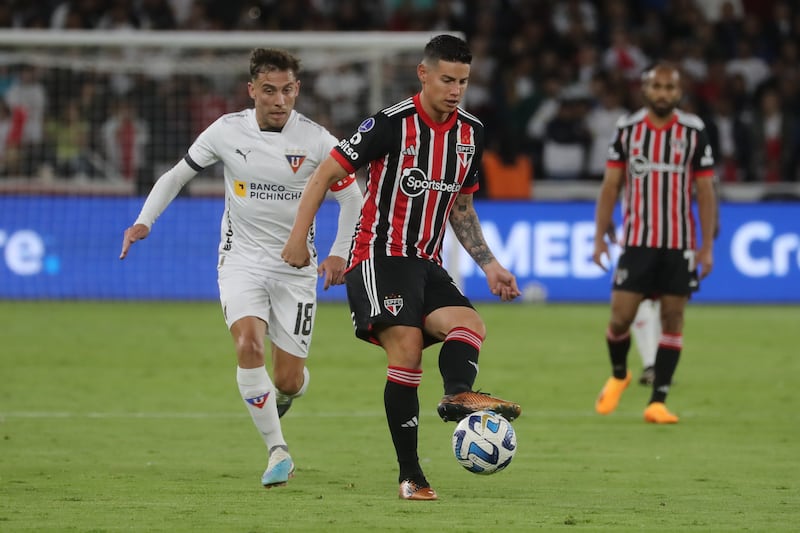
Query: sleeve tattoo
{"points": [[467, 229]]}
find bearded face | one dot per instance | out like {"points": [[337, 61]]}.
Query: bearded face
{"points": [[662, 91]]}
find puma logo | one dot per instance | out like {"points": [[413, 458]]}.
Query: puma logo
{"points": [[243, 154]]}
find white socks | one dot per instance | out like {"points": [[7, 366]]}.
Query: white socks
{"points": [[646, 330], [304, 386], [258, 394]]}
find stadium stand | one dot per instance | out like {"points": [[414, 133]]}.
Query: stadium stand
{"points": [[65, 123]]}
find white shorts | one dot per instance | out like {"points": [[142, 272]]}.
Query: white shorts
{"points": [[287, 308]]}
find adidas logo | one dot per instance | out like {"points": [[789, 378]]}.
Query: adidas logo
{"points": [[411, 423], [411, 150]]}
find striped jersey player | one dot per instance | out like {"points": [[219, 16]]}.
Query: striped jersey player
{"points": [[422, 156], [659, 157]]}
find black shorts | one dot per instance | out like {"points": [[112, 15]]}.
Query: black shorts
{"points": [[656, 271], [398, 291]]}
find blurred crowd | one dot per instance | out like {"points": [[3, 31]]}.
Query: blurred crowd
{"points": [[549, 79]]}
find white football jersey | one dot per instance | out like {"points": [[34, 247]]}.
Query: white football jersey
{"points": [[265, 173]]}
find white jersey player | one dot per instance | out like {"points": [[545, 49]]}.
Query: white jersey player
{"points": [[268, 154]]}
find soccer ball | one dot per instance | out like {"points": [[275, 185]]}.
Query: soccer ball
{"points": [[484, 442]]}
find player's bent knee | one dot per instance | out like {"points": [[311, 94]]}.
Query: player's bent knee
{"points": [[291, 384], [473, 322], [444, 320]]}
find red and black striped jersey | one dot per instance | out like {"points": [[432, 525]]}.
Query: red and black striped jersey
{"points": [[660, 166], [417, 167]]}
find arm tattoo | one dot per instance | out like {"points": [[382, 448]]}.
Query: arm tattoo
{"points": [[467, 229]]}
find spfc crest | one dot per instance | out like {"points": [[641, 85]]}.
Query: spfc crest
{"points": [[295, 158], [393, 304], [678, 145], [465, 153]]}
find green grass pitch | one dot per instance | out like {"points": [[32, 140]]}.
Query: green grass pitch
{"points": [[126, 417]]}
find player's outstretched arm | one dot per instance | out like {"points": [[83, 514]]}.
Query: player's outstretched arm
{"points": [[295, 251], [467, 228], [164, 191]]}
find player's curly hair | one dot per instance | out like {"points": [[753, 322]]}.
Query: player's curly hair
{"points": [[270, 59], [447, 48]]}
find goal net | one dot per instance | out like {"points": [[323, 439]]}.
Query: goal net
{"points": [[111, 110]]}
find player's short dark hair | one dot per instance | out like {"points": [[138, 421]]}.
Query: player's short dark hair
{"points": [[448, 48], [271, 59]]}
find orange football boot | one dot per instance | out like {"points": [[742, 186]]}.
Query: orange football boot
{"points": [[657, 413], [612, 391]]}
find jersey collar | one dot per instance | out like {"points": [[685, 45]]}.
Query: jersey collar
{"points": [[292, 115], [666, 126], [435, 126]]}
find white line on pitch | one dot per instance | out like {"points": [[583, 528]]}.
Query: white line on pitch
{"points": [[294, 414]]}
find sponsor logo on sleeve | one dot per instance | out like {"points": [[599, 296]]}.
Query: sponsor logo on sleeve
{"points": [[367, 125], [708, 157], [348, 150]]}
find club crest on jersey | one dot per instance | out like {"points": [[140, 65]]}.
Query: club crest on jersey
{"points": [[678, 145], [465, 153], [393, 303], [295, 159], [258, 401], [240, 188]]}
